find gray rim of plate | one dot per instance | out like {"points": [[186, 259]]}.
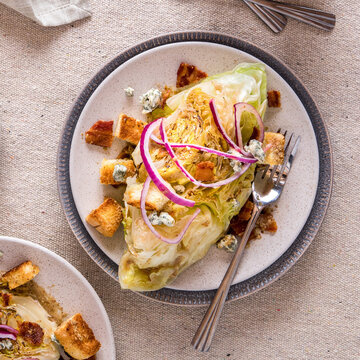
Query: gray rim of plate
{"points": [[301, 243]]}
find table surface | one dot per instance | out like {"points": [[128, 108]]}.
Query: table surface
{"points": [[310, 313]]}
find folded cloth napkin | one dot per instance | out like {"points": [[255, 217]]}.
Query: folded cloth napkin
{"points": [[51, 12]]}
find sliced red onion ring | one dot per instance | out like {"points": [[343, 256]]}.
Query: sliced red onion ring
{"points": [[221, 128], [206, 149], [6, 335], [175, 240], [239, 108], [9, 329], [187, 174], [161, 184], [238, 111]]}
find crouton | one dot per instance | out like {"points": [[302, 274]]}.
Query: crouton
{"points": [[77, 338], [31, 333], [20, 274], [107, 169], [274, 143], [265, 222], [155, 199], [129, 129], [106, 218], [246, 211], [100, 134], [204, 171], [274, 98], [188, 74]]}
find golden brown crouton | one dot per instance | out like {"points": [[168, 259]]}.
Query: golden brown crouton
{"points": [[274, 98], [100, 133], [246, 211], [204, 171], [20, 274], [265, 222], [155, 199], [274, 143], [188, 74], [77, 339], [107, 169], [129, 129], [106, 218], [31, 332]]}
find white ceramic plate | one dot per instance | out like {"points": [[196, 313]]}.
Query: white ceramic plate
{"points": [[65, 284], [155, 63]]}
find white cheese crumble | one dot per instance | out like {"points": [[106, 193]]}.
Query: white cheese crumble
{"points": [[255, 148], [119, 172], [236, 165], [6, 344], [129, 91], [150, 100], [179, 188], [163, 219], [228, 243]]}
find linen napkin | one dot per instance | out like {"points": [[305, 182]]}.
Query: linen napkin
{"points": [[51, 12]]}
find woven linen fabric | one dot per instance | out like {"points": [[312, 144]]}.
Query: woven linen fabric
{"points": [[51, 12], [310, 313]]}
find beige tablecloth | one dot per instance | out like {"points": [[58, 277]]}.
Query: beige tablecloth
{"points": [[313, 311]]}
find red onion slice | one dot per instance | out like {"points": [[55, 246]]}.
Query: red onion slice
{"points": [[9, 329], [6, 335], [216, 117], [206, 149], [239, 108], [177, 239], [187, 174], [161, 184]]}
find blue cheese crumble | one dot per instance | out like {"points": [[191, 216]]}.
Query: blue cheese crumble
{"points": [[129, 91], [163, 219], [119, 173], [150, 100], [179, 189], [255, 148], [228, 243], [236, 165], [6, 344]]}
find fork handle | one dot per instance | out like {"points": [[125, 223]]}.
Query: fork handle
{"points": [[205, 333]]}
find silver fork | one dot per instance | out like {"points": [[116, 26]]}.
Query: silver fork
{"points": [[266, 189], [314, 17], [275, 21]]}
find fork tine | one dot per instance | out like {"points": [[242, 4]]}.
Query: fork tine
{"points": [[285, 168]]}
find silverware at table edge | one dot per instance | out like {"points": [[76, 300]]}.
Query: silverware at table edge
{"points": [[275, 21], [314, 17], [266, 189]]}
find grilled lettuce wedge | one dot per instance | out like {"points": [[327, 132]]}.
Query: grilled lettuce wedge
{"points": [[149, 263]]}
